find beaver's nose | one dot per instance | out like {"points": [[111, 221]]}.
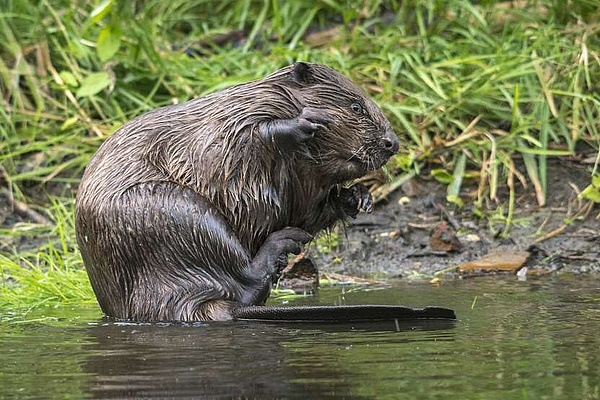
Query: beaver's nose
{"points": [[390, 141]]}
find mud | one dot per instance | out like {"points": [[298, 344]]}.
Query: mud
{"points": [[401, 238]]}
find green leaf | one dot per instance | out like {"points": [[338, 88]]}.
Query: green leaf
{"points": [[68, 78], [101, 10], [591, 194], [93, 84], [441, 175], [108, 43], [68, 123], [454, 199], [544, 152], [457, 176], [596, 181]]}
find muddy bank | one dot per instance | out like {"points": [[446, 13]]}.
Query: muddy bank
{"points": [[395, 241], [415, 233]]}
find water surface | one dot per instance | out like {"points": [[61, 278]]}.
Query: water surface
{"points": [[513, 340]]}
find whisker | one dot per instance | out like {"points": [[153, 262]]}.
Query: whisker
{"points": [[355, 153]]}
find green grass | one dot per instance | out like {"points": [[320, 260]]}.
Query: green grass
{"points": [[48, 273], [471, 87]]}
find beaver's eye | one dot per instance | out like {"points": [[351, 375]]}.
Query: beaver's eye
{"points": [[356, 108]]}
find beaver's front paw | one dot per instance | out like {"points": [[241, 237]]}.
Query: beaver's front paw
{"points": [[314, 118], [272, 256], [269, 261], [354, 199], [293, 134]]}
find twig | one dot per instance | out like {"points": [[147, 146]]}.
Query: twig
{"points": [[445, 270], [467, 133], [426, 253], [551, 234], [583, 212], [23, 209], [453, 221], [383, 191]]}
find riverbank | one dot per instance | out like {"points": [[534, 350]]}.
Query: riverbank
{"points": [[415, 234]]}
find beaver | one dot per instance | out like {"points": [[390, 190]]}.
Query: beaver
{"points": [[189, 212]]}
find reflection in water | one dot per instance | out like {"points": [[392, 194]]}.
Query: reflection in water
{"points": [[527, 340], [233, 359], [145, 361]]}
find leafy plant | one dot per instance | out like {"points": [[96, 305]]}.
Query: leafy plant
{"points": [[592, 191]]}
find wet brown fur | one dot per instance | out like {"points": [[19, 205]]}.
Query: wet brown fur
{"points": [[174, 207]]}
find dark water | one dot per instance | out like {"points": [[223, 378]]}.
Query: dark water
{"points": [[514, 340]]}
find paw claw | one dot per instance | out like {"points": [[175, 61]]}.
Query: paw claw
{"points": [[357, 198]]}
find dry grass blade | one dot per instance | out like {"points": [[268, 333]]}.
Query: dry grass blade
{"points": [[544, 77]]}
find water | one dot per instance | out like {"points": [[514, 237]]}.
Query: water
{"points": [[513, 340]]}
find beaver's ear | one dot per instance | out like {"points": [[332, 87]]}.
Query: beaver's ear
{"points": [[302, 73]]}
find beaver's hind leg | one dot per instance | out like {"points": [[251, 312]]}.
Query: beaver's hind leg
{"points": [[176, 258]]}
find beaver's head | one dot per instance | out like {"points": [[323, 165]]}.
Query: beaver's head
{"points": [[358, 138]]}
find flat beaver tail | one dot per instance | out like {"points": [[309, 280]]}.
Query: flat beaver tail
{"points": [[344, 313]]}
